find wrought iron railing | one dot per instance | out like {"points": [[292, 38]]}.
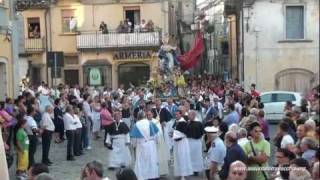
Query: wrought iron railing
{"points": [[97, 39]]}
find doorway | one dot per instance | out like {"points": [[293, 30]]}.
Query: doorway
{"points": [[133, 14], [136, 74], [71, 77]]}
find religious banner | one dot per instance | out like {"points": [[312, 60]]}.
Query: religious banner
{"points": [[95, 77], [191, 58]]}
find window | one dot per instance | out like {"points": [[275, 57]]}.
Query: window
{"points": [[34, 27], [294, 22], [69, 21], [285, 97], [266, 98]]}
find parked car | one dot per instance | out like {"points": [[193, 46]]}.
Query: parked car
{"points": [[274, 102]]}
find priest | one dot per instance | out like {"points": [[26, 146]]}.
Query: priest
{"points": [[181, 151], [144, 137], [118, 141], [162, 149], [194, 134]]}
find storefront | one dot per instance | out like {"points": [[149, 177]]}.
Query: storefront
{"points": [[133, 73], [112, 68], [133, 66], [97, 73]]}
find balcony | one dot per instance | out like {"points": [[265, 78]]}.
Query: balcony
{"points": [[97, 40], [22, 5], [33, 45]]}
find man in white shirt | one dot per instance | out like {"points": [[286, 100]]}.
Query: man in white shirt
{"points": [[242, 137], [70, 126], [47, 127], [32, 131], [73, 24], [77, 138], [287, 141]]}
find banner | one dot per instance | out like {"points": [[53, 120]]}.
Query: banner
{"points": [[95, 77], [190, 59]]}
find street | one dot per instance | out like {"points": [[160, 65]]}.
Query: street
{"points": [[71, 170]]}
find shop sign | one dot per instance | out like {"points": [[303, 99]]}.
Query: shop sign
{"points": [[122, 55], [95, 77]]}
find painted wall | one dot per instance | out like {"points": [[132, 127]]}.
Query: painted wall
{"points": [[6, 49], [265, 55]]}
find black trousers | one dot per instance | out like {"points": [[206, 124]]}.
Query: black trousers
{"points": [[33, 141], [70, 145], [77, 142], [46, 142]]}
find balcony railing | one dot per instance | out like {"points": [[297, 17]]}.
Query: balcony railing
{"points": [[22, 5], [34, 45], [96, 39]]}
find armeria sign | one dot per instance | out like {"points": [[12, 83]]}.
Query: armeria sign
{"points": [[122, 55]]}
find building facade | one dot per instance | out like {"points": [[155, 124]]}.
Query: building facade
{"points": [[93, 57], [278, 42], [216, 35], [11, 72]]}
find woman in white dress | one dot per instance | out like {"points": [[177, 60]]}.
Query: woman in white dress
{"points": [[96, 108]]}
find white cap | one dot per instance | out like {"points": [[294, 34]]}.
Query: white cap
{"points": [[211, 129]]}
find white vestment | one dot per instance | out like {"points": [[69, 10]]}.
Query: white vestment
{"points": [[120, 154], [181, 154], [146, 164], [163, 151], [96, 121], [196, 154]]}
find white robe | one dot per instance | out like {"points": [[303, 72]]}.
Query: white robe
{"points": [[163, 151], [120, 154], [146, 164], [3, 161], [182, 157], [96, 121], [196, 154]]}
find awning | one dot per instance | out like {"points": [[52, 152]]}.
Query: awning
{"points": [[100, 62]]}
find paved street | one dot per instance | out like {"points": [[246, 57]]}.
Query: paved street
{"points": [[71, 170]]}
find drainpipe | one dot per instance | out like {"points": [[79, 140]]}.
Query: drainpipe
{"points": [[242, 39]]}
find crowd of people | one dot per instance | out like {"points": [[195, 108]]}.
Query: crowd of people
{"points": [[214, 127], [126, 26]]}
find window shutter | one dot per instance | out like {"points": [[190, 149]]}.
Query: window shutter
{"points": [[295, 22]]}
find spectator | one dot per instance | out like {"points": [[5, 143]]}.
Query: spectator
{"points": [[234, 153], [264, 124], [232, 117], [22, 144], [103, 28], [44, 176], [301, 133], [93, 171], [286, 140], [308, 147], [126, 174], [143, 25], [37, 169], [47, 127], [242, 137], [300, 169], [238, 171], [258, 152]]}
